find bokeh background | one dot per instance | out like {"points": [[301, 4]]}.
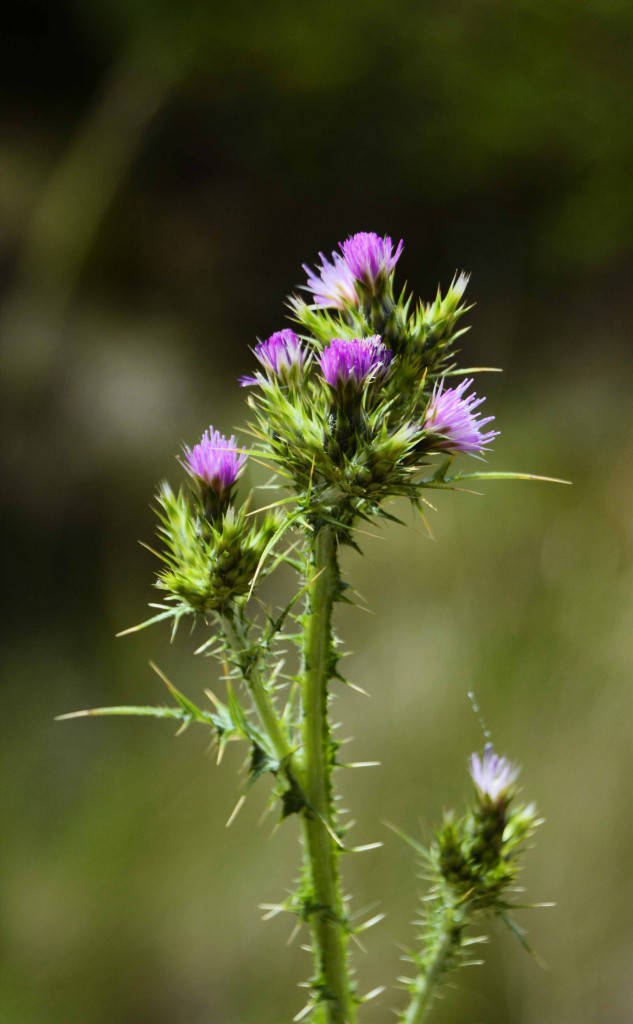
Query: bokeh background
{"points": [[166, 168]]}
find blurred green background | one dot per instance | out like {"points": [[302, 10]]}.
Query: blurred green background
{"points": [[166, 168]]}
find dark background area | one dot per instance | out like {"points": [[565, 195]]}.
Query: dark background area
{"points": [[165, 170]]}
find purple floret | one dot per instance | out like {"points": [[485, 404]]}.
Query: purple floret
{"points": [[493, 775], [452, 417], [332, 284], [354, 360], [278, 355], [369, 256], [215, 460]]}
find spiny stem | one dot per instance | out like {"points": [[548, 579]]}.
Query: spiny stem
{"points": [[237, 634], [336, 1003], [436, 963]]}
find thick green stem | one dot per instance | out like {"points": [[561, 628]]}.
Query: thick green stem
{"points": [[336, 1003], [436, 964]]}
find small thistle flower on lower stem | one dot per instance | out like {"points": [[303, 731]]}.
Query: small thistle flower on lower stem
{"points": [[281, 356], [494, 776], [370, 258], [451, 416], [332, 284]]}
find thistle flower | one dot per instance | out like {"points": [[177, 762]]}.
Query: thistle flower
{"points": [[280, 355], [452, 418], [352, 362], [215, 461], [493, 775], [370, 257], [332, 284]]}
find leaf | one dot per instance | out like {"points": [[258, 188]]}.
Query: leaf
{"points": [[187, 705], [148, 711], [170, 613], [506, 476]]}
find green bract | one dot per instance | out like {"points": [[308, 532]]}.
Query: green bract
{"points": [[209, 564]]}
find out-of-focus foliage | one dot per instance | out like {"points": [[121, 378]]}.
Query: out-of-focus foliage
{"points": [[166, 168]]}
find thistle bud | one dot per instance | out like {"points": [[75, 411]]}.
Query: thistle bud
{"points": [[215, 463], [347, 365], [371, 259], [450, 417], [332, 284], [281, 356], [494, 776]]}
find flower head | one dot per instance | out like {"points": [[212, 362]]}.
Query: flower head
{"points": [[332, 284], [352, 362], [279, 355], [215, 460], [370, 257], [493, 775], [452, 417]]}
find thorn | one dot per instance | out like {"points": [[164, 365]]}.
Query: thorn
{"points": [[363, 849], [303, 1013], [236, 810], [272, 910], [359, 689], [161, 675], [374, 992], [355, 939], [370, 924]]}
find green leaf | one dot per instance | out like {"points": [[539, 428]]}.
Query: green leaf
{"points": [[506, 476], [148, 711], [170, 613]]}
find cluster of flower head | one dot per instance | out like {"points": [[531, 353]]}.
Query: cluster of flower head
{"points": [[351, 404], [366, 346]]}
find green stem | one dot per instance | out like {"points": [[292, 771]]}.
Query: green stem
{"points": [[336, 1003], [436, 964], [236, 632]]}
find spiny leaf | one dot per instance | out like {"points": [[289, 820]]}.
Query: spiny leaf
{"points": [[170, 613], [493, 475], [147, 711]]}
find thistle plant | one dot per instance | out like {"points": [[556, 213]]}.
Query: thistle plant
{"points": [[361, 402]]}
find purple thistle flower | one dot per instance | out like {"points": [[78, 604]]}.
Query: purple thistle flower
{"points": [[279, 355], [370, 257], [215, 460], [452, 417], [354, 361], [332, 284], [493, 775]]}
